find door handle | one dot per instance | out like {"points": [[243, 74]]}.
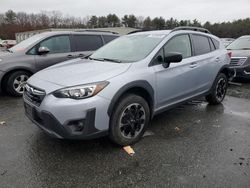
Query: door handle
{"points": [[81, 55], [70, 56], [217, 59], [193, 65]]}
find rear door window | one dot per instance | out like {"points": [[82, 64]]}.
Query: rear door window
{"points": [[57, 44], [201, 44], [109, 38], [87, 42]]}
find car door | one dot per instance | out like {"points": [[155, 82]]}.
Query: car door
{"points": [[179, 81], [86, 44], [59, 50], [206, 59]]}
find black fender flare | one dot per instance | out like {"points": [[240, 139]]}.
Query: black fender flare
{"points": [[143, 84]]}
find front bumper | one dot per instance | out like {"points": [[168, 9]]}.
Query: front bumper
{"points": [[68, 118], [242, 71]]}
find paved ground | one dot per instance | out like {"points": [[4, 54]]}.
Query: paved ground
{"points": [[195, 145]]}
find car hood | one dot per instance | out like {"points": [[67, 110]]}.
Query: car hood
{"points": [[240, 53], [6, 56], [79, 71]]}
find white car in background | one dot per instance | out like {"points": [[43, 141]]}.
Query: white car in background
{"points": [[227, 41], [8, 43]]}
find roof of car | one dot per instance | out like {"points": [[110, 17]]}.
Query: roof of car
{"points": [[245, 36], [177, 29], [51, 33], [156, 32]]}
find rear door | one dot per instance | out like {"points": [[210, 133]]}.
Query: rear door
{"points": [[60, 50], [86, 44], [205, 60]]}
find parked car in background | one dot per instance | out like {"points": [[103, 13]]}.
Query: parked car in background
{"points": [[1, 43], [43, 50], [240, 60], [227, 41], [8, 43], [121, 86]]}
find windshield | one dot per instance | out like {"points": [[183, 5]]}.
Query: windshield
{"points": [[240, 44], [129, 48], [26, 43]]}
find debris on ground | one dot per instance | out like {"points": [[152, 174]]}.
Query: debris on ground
{"points": [[2, 122], [4, 172], [148, 133], [197, 121], [216, 126], [177, 129], [129, 150]]}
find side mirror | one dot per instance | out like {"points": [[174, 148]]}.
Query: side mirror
{"points": [[43, 50], [172, 57]]}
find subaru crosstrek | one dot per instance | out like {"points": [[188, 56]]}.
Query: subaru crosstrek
{"points": [[120, 87]]}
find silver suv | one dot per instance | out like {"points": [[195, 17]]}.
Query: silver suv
{"points": [[120, 87], [40, 51]]}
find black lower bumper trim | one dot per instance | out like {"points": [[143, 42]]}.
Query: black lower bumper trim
{"points": [[47, 122]]}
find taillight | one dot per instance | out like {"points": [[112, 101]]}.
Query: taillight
{"points": [[229, 54]]}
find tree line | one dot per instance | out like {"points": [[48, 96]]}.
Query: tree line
{"points": [[12, 22]]}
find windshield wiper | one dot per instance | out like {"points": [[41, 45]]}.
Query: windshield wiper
{"points": [[96, 59], [244, 49], [112, 60], [106, 59]]}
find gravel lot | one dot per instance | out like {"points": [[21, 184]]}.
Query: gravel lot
{"points": [[195, 145]]}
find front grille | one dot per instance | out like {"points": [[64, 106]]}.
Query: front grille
{"points": [[237, 61], [34, 95]]}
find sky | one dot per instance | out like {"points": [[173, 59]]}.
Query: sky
{"points": [[203, 10]]}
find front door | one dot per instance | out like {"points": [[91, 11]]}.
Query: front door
{"points": [[59, 51], [179, 81]]}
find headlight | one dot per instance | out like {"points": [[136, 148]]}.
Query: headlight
{"points": [[0, 60], [81, 92]]}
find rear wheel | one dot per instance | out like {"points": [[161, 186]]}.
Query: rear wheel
{"points": [[129, 120], [15, 83], [219, 90]]}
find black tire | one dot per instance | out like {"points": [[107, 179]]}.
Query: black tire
{"points": [[218, 90], [11, 86], [135, 123]]}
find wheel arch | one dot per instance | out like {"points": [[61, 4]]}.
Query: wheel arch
{"points": [[141, 88], [229, 72], [9, 72]]}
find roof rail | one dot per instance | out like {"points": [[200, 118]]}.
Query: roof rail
{"points": [[95, 30], [199, 29]]}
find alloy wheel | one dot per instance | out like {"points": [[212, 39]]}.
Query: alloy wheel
{"points": [[19, 83], [221, 89], [132, 120]]}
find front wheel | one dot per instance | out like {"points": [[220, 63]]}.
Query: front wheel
{"points": [[129, 120], [219, 90], [15, 83]]}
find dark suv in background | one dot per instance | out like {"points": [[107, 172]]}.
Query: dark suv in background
{"points": [[43, 50], [240, 56]]}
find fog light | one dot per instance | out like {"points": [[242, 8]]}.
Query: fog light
{"points": [[76, 126]]}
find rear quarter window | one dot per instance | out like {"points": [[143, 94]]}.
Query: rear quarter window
{"points": [[216, 43], [87, 42], [201, 44]]}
